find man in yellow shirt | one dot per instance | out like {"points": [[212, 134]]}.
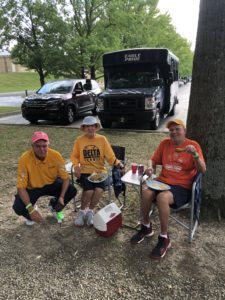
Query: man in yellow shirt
{"points": [[41, 172]]}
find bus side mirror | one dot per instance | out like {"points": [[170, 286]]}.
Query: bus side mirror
{"points": [[170, 77]]}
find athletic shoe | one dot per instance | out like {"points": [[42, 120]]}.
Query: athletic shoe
{"points": [[89, 218], [141, 234], [79, 221], [161, 248], [29, 222], [59, 216]]}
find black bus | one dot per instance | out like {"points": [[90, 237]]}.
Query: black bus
{"points": [[140, 85]]}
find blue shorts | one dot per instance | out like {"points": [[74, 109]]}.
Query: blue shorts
{"points": [[88, 186], [181, 195]]}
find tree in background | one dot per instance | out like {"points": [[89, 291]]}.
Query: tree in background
{"points": [[39, 34], [68, 37], [206, 114]]}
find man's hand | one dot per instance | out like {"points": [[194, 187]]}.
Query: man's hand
{"points": [[149, 171], [36, 216], [191, 149], [61, 200]]}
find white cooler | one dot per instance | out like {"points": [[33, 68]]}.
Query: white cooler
{"points": [[107, 220]]}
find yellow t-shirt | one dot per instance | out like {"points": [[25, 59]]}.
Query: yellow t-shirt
{"points": [[90, 154], [34, 173]]}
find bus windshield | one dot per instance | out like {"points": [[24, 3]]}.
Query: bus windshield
{"points": [[129, 79]]}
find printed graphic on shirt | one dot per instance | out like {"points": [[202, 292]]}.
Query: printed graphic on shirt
{"points": [[91, 153], [175, 162]]}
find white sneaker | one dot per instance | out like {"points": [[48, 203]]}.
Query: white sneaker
{"points": [[89, 218], [79, 221], [29, 222]]}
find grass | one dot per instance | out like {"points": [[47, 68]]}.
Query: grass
{"points": [[14, 82], [8, 109], [17, 139]]}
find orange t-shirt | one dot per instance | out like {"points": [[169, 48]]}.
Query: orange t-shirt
{"points": [[178, 168]]}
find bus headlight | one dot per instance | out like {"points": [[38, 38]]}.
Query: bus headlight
{"points": [[150, 102], [100, 104]]}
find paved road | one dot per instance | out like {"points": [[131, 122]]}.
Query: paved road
{"points": [[13, 98], [181, 113]]}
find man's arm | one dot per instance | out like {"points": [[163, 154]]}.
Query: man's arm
{"points": [[199, 162], [151, 167], [34, 214], [65, 186]]}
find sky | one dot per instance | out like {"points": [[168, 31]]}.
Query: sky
{"points": [[184, 14]]}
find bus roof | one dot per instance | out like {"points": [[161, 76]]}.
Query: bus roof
{"points": [[139, 56]]}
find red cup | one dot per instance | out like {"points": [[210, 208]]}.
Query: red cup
{"points": [[134, 167]]}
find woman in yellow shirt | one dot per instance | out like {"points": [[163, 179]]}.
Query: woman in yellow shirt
{"points": [[90, 151]]}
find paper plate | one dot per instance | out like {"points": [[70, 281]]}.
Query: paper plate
{"points": [[157, 185], [97, 177]]}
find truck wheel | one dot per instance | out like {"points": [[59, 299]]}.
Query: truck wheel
{"points": [[173, 110], [106, 124], [95, 111], [69, 115], [155, 123]]}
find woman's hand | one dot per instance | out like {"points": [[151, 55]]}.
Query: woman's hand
{"points": [[77, 172]]}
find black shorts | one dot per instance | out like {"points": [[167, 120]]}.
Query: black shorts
{"points": [[181, 195], [88, 186]]}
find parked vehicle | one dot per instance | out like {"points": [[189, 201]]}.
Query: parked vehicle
{"points": [[62, 100], [140, 85]]}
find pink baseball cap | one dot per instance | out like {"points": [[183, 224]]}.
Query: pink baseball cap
{"points": [[39, 135]]}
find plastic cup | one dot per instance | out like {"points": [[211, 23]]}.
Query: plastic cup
{"points": [[134, 167]]}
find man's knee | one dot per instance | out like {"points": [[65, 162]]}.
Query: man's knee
{"points": [[18, 206], [164, 199], [148, 195]]}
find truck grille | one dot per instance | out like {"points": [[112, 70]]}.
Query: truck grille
{"points": [[124, 103], [36, 104]]}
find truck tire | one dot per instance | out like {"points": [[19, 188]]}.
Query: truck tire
{"points": [[106, 124], [173, 110], [95, 110], [155, 123], [69, 115]]}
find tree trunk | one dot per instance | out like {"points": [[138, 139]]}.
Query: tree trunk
{"points": [[92, 71], [41, 77], [206, 114]]}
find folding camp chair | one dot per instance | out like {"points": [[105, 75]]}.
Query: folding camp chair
{"points": [[115, 177], [76, 200], [194, 208]]}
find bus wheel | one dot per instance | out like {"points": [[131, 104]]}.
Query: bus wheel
{"points": [[106, 124], [155, 123]]}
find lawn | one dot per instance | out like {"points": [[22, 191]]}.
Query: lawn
{"points": [[16, 139], [14, 82], [8, 109]]}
